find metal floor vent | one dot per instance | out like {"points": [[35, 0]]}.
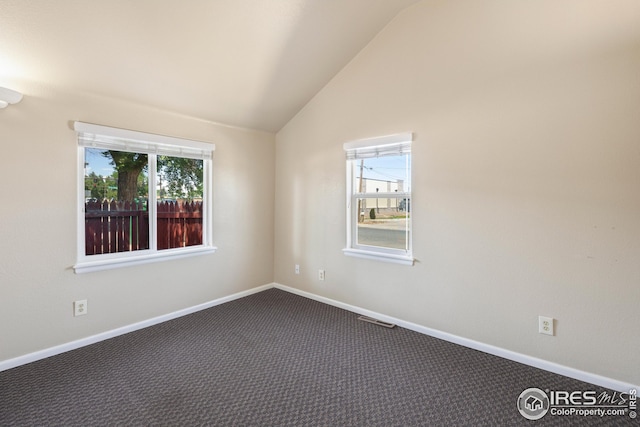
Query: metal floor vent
{"points": [[376, 322]]}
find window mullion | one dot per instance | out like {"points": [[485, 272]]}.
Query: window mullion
{"points": [[355, 219], [384, 195], [153, 202], [81, 239], [207, 207]]}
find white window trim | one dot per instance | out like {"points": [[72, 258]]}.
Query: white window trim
{"points": [[151, 144], [378, 256], [370, 147]]}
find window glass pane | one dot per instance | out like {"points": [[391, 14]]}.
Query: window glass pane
{"points": [[386, 174], [116, 196], [383, 222], [180, 197]]}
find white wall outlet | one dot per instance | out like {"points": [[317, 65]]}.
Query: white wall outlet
{"points": [[80, 307], [297, 268], [320, 274], [545, 325]]}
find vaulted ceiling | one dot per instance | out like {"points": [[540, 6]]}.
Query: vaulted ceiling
{"points": [[248, 63]]}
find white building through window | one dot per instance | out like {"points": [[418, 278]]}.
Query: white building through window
{"points": [[379, 198], [142, 197]]}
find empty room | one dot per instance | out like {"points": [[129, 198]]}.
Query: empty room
{"points": [[319, 212]]}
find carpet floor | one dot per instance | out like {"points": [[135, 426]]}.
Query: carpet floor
{"points": [[277, 359]]}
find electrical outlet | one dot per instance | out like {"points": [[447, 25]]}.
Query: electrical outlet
{"points": [[80, 307], [320, 274], [297, 268], [545, 325]]}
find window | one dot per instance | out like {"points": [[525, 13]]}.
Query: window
{"points": [[379, 198], [142, 197]]}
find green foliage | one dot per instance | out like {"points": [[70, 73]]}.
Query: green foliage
{"points": [[101, 187], [123, 160], [181, 178], [372, 213], [178, 178]]}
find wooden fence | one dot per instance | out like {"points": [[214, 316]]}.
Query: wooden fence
{"points": [[179, 224], [112, 226]]}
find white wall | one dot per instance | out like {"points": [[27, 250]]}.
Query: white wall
{"points": [[38, 223], [526, 166]]}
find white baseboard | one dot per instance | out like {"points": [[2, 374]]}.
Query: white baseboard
{"points": [[599, 380], [577, 374], [52, 351]]}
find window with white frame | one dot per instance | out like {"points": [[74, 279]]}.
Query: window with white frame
{"points": [[142, 197], [379, 198]]}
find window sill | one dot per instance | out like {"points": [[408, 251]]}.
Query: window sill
{"points": [[378, 256], [87, 266]]}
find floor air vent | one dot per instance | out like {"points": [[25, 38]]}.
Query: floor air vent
{"points": [[376, 322]]}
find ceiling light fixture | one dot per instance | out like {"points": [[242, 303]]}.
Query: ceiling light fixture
{"points": [[8, 96]]}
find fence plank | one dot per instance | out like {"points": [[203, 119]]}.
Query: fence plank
{"points": [[162, 226], [143, 226]]}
